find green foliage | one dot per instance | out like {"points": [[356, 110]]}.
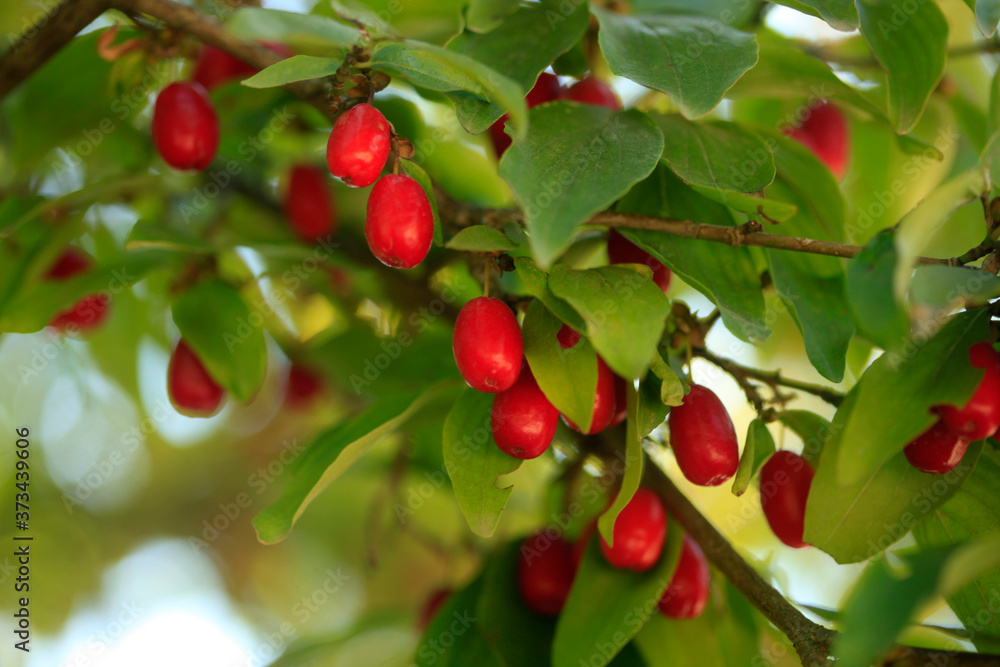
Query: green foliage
{"points": [[757, 448]]}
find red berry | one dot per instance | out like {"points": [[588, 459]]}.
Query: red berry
{"points": [[432, 607], [303, 385], [937, 450], [604, 400], [88, 312], [522, 419], [309, 204], [639, 533], [216, 67], [981, 415], [567, 337], [192, 390], [687, 593], [784, 489], [71, 262], [185, 126], [595, 92], [703, 438], [546, 89], [358, 146], [400, 225], [623, 251], [825, 133], [488, 345], [621, 404], [544, 573]]}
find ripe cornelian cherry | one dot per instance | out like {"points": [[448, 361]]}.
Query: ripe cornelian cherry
{"points": [[594, 92], [216, 67], [544, 573], [825, 133], [358, 146], [399, 226], [567, 337], [185, 126], [784, 489], [687, 593], [487, 344], [639, 533], [192, 390], [522, 419], [309, 203], [981, 415], [90, 311], [623, 251], [432, 606], [604, 400], [621, 405], [546, 89], [303, 385], [937, 450], [703, 438]]}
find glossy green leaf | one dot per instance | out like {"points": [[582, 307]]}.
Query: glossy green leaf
{"points": [[624, 311], [335, 450], [672, 388], [840, 14], [910, 40], [536, 283], [640, 409], [948, 288], [575, 161], [758, 447], [481, 238], [417, 173], [486, 15], [878, 315], [567, 377], [296, 68], [693, 59], [475, 463], [987, 15], [812, 429], [307, 32]]}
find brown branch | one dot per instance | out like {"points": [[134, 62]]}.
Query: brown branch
{"points": [[44, 40]]}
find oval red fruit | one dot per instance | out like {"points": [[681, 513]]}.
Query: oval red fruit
{"points": [[687, 593], [309, 203], [192, 390], [594, 92], [399, 226], [544, 573], [981, 415], [358, 146], [567, 337], [216, 67], [623, 251], [703, 438], [185, 126], [522, 419], [303, 385], [604, 400], [487, 344], [784, 489], [825, 133], [639, 533], [937, 450], [90, 311]]}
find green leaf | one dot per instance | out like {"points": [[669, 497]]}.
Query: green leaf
{"points": [[607, 607], [672, 388], [547, 26], [750, 204], [812, 429], [638, 412], [306, 32], [568, 378], [910, 40], [987, 15], [296, 68], [724, 274], [575, 161], [946, 289], [757, 449], [417, 173], [625, 313], [486, 15], [718, 154], [434, 68], [334, 451], [481, 238], [453, 639], [536, 283], [475, 462], [840, 14], [878, 315], [693, 59], [973, 512]]}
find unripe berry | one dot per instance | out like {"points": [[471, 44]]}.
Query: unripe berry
{"points": [[185, 126], [784, 489], [594, 92], [88, 312], [487, 344], [303, 386], [981, 415], [544, 573], [399, 226], [309, 203], [687, 593], [431, 607], [358, 146], [639, 533], [825, 133], [546, 89], [703, 438], [523, 420], [937, 450], [623, 251], [192, 390], [604, 401]]}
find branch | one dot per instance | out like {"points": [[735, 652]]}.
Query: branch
{"points": [[44, 40]]}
